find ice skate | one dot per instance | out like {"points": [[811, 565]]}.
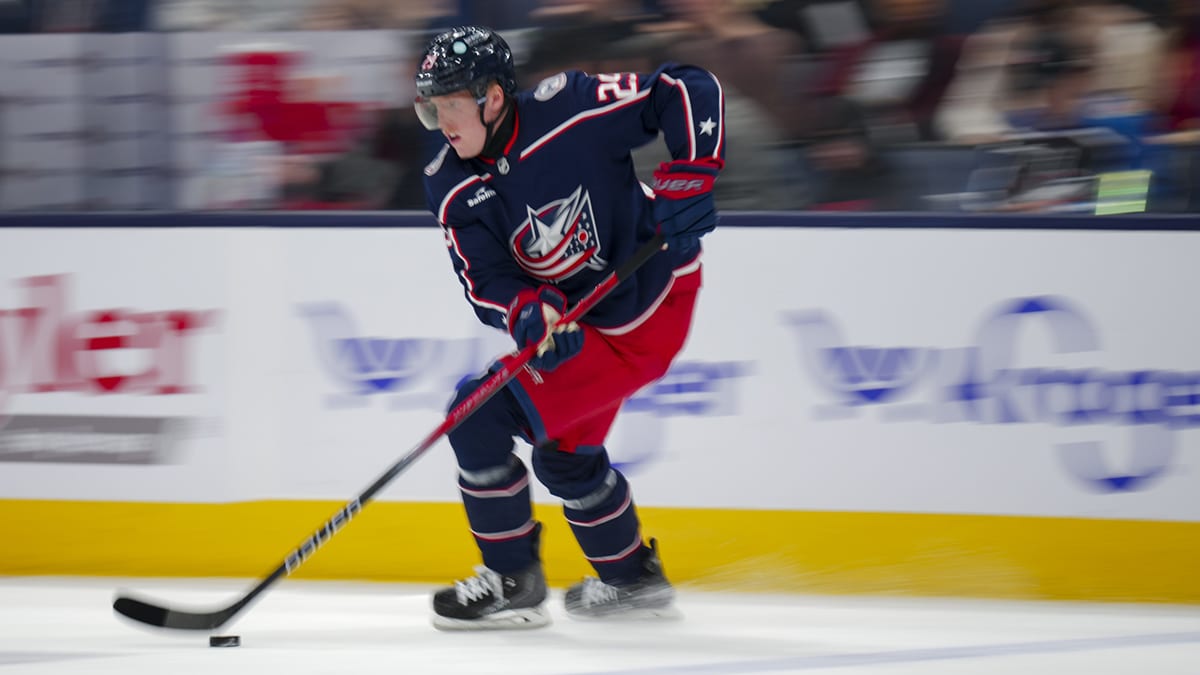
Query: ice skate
{"points": [[493, 601], [650, 597]]}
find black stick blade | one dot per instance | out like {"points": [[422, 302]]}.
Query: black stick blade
{"points": [[154, 615]]}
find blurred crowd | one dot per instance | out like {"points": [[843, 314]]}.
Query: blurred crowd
{"points": [[836, 105]]}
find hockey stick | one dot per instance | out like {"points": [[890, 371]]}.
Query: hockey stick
{"points": [[166, 617]]}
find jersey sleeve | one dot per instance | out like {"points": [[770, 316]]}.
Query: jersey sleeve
{"points": [[482, 264], [688, 106], [685, 103], [489, 277]]}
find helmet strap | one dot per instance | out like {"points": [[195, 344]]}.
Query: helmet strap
{"points": [[500, 130]]}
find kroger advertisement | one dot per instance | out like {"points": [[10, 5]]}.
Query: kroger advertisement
{"points": [[986, 372], [1051, 373]]}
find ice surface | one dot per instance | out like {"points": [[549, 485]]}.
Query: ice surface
{"points": [[53, 626]]}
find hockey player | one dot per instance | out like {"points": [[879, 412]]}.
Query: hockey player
{"points": [[537, 197]]}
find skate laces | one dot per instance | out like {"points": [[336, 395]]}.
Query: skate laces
{"points": [[596, 592], [484, 582]]}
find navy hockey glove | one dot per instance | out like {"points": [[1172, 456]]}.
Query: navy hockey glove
{"points": [[532, 320], [683, 201]]}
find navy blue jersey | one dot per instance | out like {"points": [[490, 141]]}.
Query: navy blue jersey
{"points": [[563, 206]]}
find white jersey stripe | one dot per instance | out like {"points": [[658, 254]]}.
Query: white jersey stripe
{"points": [[686, 99], [720, 118], [454, 192], [687, 269], [452, 238], [596, 112], [475, 298]]}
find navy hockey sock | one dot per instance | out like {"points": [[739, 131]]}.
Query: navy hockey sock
{"points": [[606, 525], [501, 516]]}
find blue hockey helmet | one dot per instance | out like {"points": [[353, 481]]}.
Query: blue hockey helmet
{"points": [[467, 58]]}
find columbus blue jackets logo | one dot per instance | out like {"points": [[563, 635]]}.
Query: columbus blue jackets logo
{"points": [[558, 239]]}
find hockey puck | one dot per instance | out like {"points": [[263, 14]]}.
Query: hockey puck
{"points": [[224, 641]]}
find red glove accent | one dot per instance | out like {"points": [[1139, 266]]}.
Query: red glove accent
{"points": [[683, 178]]}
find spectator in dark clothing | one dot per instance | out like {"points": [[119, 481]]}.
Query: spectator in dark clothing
{"points": [[751, 58], [81, 16], [909, 51], [846, 170], [1180, 89], [123, 16], [16, 16], [1051, 67]]}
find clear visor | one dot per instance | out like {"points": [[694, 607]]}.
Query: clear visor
{"points": [[427, 113], [456, 109]]}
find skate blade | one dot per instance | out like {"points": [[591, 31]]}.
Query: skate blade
{"points": [[509, 619], [669, 613]]}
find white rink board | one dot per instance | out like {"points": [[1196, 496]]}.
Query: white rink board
{"points": [[115, 350], [1112, 303], [860, 370]]}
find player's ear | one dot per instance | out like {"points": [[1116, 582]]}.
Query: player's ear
{"points": [[495, 99]]}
